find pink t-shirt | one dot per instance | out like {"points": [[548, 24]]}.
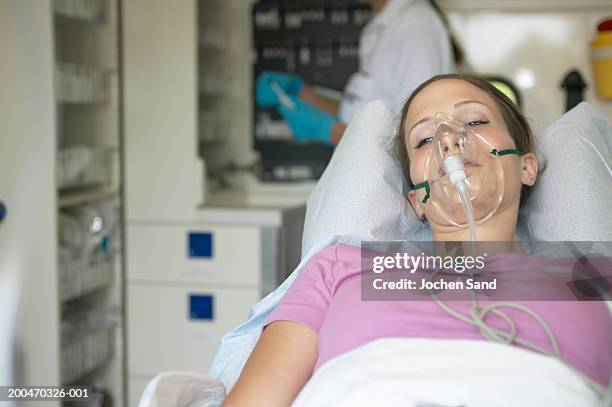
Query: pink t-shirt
{"points": [[326, 297]]}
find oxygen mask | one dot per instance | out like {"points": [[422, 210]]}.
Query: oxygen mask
{"points": [[464, 177]]}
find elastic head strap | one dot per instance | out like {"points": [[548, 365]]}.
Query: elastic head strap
{"points": [[425, 185], [508, 151]]}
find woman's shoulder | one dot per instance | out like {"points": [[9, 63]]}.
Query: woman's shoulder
{"points": [[335, 263], [339, 252]]}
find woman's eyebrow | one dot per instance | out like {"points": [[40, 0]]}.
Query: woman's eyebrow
{"points": [[466, 102], [423, 120]]}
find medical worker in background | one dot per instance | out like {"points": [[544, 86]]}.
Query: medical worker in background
{"points": [[405, 43]]}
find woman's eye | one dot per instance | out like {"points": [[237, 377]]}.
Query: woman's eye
{"points": [[424, 141], [477, 122]]}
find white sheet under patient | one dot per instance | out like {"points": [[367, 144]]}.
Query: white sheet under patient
{"points": [[444, 373]]}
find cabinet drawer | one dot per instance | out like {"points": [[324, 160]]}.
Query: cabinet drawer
{"points": [[176, 328], [194, 252], [136, 387]]}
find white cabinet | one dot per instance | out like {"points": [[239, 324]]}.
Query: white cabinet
{"points": [[162, 253], [59, 158], [166, 321], [28, 250], [193, 269], [189, 283], [136, 386]]}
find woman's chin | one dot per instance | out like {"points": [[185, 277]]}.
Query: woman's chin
{"points": [[457, 219]]}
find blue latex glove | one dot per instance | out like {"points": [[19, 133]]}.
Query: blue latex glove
{"points": [[265, 96], [307, 122]]}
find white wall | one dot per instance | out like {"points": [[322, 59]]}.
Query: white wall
{"points": [[534, 46], [160, 107]]}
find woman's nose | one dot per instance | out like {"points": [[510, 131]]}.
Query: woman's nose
{"points": [[450, 143]]}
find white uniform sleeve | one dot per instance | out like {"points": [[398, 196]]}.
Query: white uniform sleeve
{"points": [[408, 55]]}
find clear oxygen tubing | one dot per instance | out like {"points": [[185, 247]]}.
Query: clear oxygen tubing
{"points": [[455, 170], [466, 203], [453, 165]]}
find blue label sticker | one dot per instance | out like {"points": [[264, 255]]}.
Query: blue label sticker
{"points": [[200, 244], [2, 211], [201, 307]]}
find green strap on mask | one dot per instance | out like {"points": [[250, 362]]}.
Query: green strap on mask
{"points": [[508, 151], [425, 184]]}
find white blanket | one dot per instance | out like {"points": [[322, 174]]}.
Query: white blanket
{"points": [[440, 373]]}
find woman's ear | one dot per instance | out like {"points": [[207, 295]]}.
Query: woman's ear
{"points": [[529, 169], [416, 205]]}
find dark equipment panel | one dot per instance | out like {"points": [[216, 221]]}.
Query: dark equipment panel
{"points": [[318, 40]]}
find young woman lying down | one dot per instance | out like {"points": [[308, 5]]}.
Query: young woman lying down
{"points": [[315, 341]]}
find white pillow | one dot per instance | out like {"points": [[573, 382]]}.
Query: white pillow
{"points": [[361, 194], [572, 198]]}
